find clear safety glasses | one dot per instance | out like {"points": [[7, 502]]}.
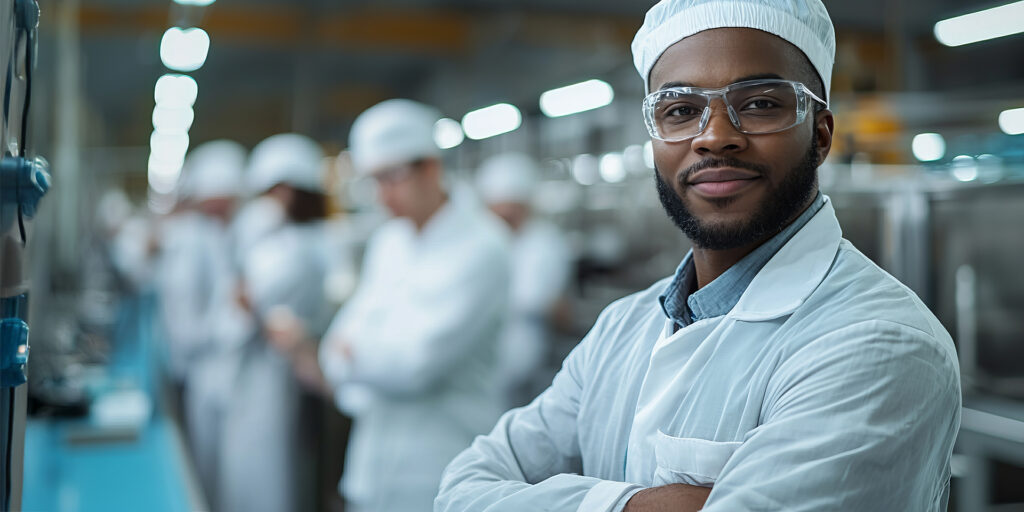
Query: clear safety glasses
{"points": [[755, 107]]}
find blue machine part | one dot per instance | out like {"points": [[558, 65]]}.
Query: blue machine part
{"points": [[13, 352], [25, 183], [14, 346]]}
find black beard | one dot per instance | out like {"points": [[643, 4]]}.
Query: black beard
{"points": [[781, 207]]}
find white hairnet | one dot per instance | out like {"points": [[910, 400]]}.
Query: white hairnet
{"points": [[508, 177], [213, 169], [803, 23], [113, 210], [392, 132], [288, 158]]}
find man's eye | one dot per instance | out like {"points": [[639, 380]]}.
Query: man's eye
{"points": [[760, 104], [681, 111]]}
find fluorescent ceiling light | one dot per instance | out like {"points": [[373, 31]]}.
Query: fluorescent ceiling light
{"points": [[585, 169], [991, 23], [160, 204], [612, 168], [576, 98], [172, 120], [168, 147], [1011, 121], [928, 147], [491, 121], [175, 90], [633, 159], [964, 168], [163, 175], [649, 154], [184, 49], [448, 133], [200, 3]]}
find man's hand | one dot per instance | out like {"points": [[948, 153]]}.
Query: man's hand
{"points": [[284, 330], [242, 298], [344, 349], [287, 333], [669, 498]]}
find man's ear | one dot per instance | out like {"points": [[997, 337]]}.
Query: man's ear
{"points": [[824, 128]]}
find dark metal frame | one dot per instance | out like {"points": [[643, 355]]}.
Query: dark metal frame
{"points": [[23, 181]]}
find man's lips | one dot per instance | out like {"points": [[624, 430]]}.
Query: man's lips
{"points": [[721, 182], [721, 174]]}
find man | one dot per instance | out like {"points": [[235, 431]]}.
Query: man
{"points": [[541, 265], [196, 277], [411, 355], [779, 369], [283, 267]]}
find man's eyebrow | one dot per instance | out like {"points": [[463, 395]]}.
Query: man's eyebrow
{"points": [[760, 76]]}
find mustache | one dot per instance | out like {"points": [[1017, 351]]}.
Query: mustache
{"points": [[708, 163]]}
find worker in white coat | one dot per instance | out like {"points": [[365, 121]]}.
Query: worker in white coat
{"points": [[195, 277], [779, 368], [283, 269], [540, 271], [411, 355]]}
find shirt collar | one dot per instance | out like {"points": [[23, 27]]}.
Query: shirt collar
{"points": [[684, 304], [673, 299]]}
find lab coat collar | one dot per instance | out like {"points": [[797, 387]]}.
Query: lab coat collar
{"points": [[794, 272], [444, 222]]}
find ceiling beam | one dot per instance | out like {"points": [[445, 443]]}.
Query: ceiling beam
{"points": [[431, 31]]}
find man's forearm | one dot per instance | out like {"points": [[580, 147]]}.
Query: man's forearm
{"points": [[306, 364], [669, 498]]}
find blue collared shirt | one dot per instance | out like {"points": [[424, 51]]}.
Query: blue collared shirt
{"points": [[684, 305]]}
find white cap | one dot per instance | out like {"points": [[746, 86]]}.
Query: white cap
{"points": [[507, 178], [803, 23], [288, 158], [390, 133], [214, 169], [113, 210]]}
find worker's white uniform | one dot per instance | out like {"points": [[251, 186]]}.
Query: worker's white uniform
{"points": [[286, 267], [179, 283], [423, 325], [829, 386], [540, 260], [196, 277]]}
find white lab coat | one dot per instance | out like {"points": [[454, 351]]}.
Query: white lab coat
{"points": [[196, 276], [130, 252], [541, 266], [255, 219], [423, 325], [286, 267], [829, 386], [180, 289]]}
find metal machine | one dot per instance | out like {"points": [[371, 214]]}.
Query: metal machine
{"points": [[23, 181]]}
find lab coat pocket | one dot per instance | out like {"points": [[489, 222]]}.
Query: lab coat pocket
{"points": [[689, 460]]}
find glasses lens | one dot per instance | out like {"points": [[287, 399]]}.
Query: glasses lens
{"points": [[676, 115], [764, 108]]}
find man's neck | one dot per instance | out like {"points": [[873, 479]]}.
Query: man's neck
{"points": [[420, 221], [709, 263]]}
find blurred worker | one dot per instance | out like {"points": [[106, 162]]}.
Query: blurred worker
{"points": [[104, 281], [416, 341], [282, 270], [540, 270], [779, 368], [196, 276]]}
